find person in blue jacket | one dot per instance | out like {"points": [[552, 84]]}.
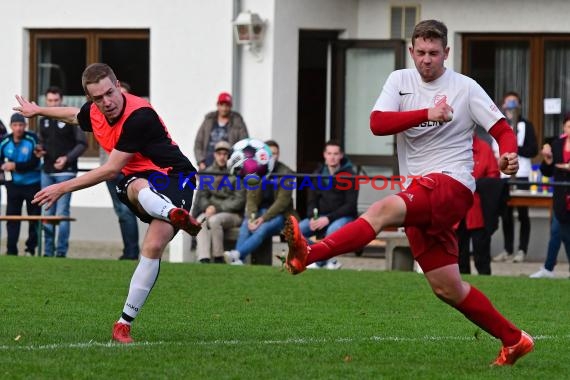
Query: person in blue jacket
{"points": [[21, 168]]}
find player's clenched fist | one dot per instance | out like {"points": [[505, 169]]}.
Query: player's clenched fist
{"points": [[509, 163]]}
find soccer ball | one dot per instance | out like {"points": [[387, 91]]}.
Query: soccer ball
{"points": [[251, 158]]}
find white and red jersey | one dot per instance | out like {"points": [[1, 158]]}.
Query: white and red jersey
{"points": [[438, 147]]}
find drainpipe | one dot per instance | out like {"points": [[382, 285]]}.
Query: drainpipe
{"points": [[236, 62]]}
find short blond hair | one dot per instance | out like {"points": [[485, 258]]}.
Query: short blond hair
{"points": [[94, 73]]}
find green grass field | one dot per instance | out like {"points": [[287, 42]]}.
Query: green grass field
{"points": [[227, 322]]}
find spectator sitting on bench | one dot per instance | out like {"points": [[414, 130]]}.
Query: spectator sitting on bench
{"points": [[329, 208], [217, 209], [17, 156], [266, 210]]}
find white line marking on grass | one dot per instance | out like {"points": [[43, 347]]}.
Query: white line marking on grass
{"points": [[292, 341]]}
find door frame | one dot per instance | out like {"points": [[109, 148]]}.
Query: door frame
{"points": [[338, 94]]}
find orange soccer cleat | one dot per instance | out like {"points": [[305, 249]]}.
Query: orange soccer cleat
{"points": [[181, 219], [509, 355], [296, 260], [122, 333]]}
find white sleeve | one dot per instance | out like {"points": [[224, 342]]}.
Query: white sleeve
{"points": [[389, 99], [521, 133], [483, 111]]}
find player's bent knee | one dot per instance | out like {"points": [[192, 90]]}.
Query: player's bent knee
{"points": [[387, 212], [449, 295]]}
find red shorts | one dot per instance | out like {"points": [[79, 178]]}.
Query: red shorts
{"points": [[434, 204]]}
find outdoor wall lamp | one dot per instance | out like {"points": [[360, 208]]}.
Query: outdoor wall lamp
{"points": [[249, 30]]}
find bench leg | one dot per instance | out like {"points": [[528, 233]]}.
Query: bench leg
{"points": [[399, 258], [403, 259], [264, 254], [40, 229]]}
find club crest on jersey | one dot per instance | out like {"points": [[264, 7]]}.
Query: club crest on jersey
{"points": [[438, 99]]}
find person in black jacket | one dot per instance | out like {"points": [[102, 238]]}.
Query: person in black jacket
{"points": [[61, 144], [527, 149], [556, 163], [328, 207]]}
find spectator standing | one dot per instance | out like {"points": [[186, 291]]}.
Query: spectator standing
{"points": [[265, 212], [128, 223], [3, 133], [475, 227], [217, 207], [17, 157], [527, 149], [222, 124], [61, 144], [328, 206], [556, 163]]}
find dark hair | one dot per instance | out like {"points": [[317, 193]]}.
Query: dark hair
{"points": [[430, 29], [271, 143], [513, 93], [566, 118], [96, 72], [3, 130], [125, 86], [333, 142], [54, 90]]}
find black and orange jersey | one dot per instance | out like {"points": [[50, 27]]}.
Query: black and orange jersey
{"points": [[138, 130]]}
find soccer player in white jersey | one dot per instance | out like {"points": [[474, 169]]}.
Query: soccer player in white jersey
{"points": [[433, 111]]}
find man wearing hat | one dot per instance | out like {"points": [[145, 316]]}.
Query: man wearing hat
{"points": [[23, 181], [220, 125], [218, 205]]}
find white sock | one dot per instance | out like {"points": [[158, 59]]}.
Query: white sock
{"points": [[143, 280], [156, 205]]}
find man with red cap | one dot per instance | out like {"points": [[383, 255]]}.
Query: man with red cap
{"points": [[220, 125]]}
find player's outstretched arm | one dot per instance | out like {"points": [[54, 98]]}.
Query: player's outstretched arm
{"points": [[49, 195], [31, 109]]}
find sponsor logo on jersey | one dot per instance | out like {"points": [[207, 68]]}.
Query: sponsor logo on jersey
{"points": [[404, 93], [430, 123]]}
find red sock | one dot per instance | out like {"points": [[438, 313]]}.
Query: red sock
{"points": [[479, 310], [349, 238]]}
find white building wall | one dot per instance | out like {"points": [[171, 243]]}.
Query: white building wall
{"points": [[467, 16], [257, 88], [290, 17], [190, 56]]}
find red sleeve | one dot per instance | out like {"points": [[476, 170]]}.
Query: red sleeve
{"points": [[389, 123], [505, 137]]}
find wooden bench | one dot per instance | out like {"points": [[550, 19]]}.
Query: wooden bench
{"points": [[397, 248], [39, 219]]}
